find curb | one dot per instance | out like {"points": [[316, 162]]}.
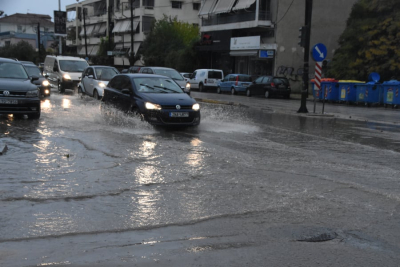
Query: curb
{"points": [[219, 102]]}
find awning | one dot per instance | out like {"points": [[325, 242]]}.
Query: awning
{"points": [[89, 30], [94, 50], [96, 28], [125, 26], [117, 26], [243, 53], [243, 4], [126, 47], [82, 50], [223, 6], [207, 7]]}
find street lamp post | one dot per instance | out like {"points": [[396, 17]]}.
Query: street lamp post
{"points": [[84, 29], [59, 37]]}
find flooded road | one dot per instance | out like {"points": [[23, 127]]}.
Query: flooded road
{"points": [[246, 187]]}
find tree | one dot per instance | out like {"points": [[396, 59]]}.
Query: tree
{"points": [[370, 42], [170, 44], [21, 51]]}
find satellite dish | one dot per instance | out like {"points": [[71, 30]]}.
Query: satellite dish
{"points": [[374, 77]]}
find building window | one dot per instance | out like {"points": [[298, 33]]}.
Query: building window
{"points": [[117, 5], [7, 43], [196, 6], [149, 4], [19, 28], [46, 29], [176, 4]]}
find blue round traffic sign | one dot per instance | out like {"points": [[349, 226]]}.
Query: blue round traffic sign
{"points": [[319, 52]]}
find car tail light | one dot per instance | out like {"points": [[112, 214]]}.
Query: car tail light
{"points": [[237, 80], [205, 80], [272, 84]]}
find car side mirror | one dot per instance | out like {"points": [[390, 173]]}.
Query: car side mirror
{"points": [[34, 78], [223, 80], [126, 91], [46, 76]]}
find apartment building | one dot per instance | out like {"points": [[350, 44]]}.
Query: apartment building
{"points": [[260, 37], [113, 18], [23, 27]]}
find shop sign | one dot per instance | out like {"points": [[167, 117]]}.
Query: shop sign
{"points": [[266, 54], [243, 43]]}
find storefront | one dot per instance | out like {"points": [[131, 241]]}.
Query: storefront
{"points": [[251, 56]]}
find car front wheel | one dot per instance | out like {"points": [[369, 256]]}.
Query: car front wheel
{"points": [[201, 87], [61, 89], [248, 93], [95, 95]]}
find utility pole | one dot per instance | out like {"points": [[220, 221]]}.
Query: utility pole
{"points": [[84, 29], [307, 28], [59, 38], [38, 38], [132, 33], [110, 9]]}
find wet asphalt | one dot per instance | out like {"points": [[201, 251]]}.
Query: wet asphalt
{"points": [[256, 184]]}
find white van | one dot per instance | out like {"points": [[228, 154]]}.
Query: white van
{"points": [[202, 79], [64, 72]]}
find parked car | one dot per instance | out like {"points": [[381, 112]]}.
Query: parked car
{"points": [[18, 94], [269, 86], [64, 72], [27, 62], [203, 79], [42, 83], [157, 99], [186, 76], [172, 73], [234, 83], [134, 69], [95, 79]]}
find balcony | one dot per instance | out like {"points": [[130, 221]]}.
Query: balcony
{"points": [[235, 18]]}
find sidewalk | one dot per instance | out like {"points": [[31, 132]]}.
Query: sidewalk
{"points": [[377, 114]]}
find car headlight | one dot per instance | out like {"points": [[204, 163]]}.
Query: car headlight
{"points": [[67, 77], [196, 107], [45, 83], [188, 86], [102, 85], [32, 93], [149, 105]]}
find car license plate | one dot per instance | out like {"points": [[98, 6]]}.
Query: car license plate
{"points": [[179, 114], [8, 101], [210, 81]]}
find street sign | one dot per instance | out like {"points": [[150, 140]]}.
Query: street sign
{"points": [[319, 52], [60, 22]]}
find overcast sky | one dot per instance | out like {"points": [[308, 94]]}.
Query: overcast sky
{"points": [[45, 7]]}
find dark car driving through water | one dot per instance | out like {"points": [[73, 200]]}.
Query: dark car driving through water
{"points": [[18, 94], [42, 83], [158, 99]]}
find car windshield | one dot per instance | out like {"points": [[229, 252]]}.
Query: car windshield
{"points": [[169, 73], [73, 65], [33, 71], [105, 74], [12, 70], [156, 85]]}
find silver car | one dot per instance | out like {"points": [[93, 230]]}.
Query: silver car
{"points": [[169, 72], [95, 79]]}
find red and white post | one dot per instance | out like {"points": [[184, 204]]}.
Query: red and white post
{"points": [[318, 72]]}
